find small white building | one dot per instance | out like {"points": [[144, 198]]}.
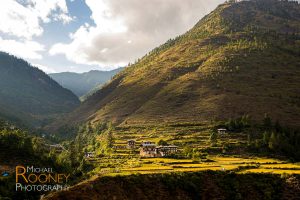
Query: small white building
{"points": [[90, 154], [222, 130]]}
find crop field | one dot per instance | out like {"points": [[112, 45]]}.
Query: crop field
{"points": [[163, 165], [124, 161]]}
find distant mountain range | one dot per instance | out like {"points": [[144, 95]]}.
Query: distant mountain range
{"points": [[28, 95], [82, 84], [241, 59]]}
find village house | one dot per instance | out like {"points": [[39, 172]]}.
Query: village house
{"points": [[89, 154], [131, 144], [149, 149], [222, 130], [162, 151]]}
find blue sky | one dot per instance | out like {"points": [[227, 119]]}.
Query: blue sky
{"points": [[81, 35]]}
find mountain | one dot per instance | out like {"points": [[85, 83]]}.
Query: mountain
{"points": [[28, 95], [82, 84], [241, 59]]}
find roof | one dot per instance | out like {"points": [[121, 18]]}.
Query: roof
{"points": [[56, 146], [149, 145], [170, 146]]}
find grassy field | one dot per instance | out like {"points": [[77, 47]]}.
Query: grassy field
{"points": [[219, 163]]}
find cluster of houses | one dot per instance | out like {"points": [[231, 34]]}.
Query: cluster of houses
{"points": [[147, 149], [150, 149]]}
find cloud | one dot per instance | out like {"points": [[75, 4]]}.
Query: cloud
{"points": [[24, 18], [24, 49], [126, 30], [44, 68]]}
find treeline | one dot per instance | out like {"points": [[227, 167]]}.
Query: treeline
{"points": [[267, 136], [279, 139]]}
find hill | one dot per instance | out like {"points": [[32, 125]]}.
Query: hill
{"points": [[196, 185], [19, 147], [28, 95], [82, 84], [241, 59]]}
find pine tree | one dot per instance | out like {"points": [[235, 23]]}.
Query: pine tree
{"points": [[109, 137], [273, 141], [267, 122], [266, 138], [213, 138]]}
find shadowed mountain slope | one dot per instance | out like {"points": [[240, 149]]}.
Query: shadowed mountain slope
{"points": [[28, 96]]}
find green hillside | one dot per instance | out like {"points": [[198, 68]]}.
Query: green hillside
{"points": [[29, 96], [82, 84], [19, 147], [243, 58]]}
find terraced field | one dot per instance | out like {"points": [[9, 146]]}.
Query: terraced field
{"points": [[125, 161], [163, 165]]}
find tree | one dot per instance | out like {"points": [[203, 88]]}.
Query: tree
{"points": [[162, 143], [273, 143], [109, 137], [277, 126], [267, 122], [249, 139], [89, 128], [266, 138], [231, 1], [213, 138]]}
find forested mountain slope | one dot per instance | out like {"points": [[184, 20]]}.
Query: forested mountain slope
{"points": [[28, 95], [241, 59]]}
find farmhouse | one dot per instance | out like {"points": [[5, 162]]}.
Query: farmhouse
{"points": [[222, 130], [131, 144], [149, 149], [89, 154], [163, 151]]}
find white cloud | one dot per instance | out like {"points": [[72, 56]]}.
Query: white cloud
{"points": [[44, 68], [18, 20], [44, 9], [24, 20], [24, 49], [126, 30]]}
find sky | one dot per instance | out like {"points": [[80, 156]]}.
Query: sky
{"points": [[83, 35]]}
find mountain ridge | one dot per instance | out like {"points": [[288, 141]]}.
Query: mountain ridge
{"points": [[83, 83], [30, 96], [228, 65]]}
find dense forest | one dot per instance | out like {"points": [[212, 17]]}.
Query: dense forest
{"points": [[30, 96]]}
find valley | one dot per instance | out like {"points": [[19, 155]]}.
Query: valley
{"points": [[213, 113]]}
